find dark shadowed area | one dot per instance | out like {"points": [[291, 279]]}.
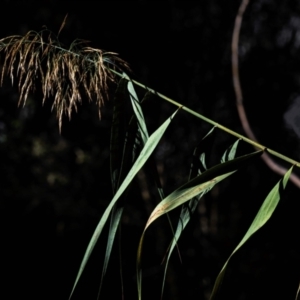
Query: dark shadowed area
{"points": [[55, 187]]}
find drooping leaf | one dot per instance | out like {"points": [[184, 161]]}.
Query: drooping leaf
{"points": [[181, 196], [198, 185], [142, 158], [264, 214]]}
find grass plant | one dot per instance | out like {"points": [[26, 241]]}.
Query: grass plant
{"points": [[67, 75]]}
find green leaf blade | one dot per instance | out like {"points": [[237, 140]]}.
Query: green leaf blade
{"points": [[201, 183], [138, 112], [264, 214], [141, 160], [181, 196]]}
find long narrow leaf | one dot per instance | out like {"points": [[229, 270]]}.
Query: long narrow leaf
{"points": [[181, 196], [144, 135], [264, 214], [200, 184], [175, 199], [144, 155], [114, 223], [138, 111]]}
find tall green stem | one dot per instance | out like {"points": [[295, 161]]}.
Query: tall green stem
{"points": [[192, 112]]}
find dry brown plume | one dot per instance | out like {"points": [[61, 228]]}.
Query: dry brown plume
{"points": [[66, 75], [239, 96]]}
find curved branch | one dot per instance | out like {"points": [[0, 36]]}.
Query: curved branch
{"points": [[239, 95]]}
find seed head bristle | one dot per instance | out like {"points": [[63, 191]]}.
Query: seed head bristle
{"points": [[66, 75]]}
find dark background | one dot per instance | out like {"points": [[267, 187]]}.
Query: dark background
{"points": [[54, 187]]}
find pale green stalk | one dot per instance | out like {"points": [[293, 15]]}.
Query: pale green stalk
{"points": [[192, 112]]}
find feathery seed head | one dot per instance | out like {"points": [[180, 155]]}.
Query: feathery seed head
{"points": [[66, 75]]}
